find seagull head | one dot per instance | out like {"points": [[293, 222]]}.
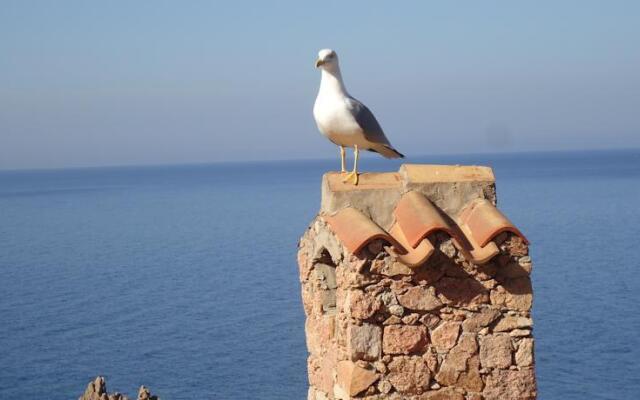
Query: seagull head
{"points": [[327, 60]]}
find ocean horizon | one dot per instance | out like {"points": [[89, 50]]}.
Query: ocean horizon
{"points": [[184, 278]]}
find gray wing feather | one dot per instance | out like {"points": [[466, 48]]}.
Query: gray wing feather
{"points": [[367, 121]]}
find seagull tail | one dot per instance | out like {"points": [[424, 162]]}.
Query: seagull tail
{"points": [[388, 151]]}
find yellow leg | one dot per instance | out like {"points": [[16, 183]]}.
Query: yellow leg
{"points": [[342, 168], [352, 176]]}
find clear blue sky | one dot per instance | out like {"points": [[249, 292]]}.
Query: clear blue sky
{"points": [[87, 83]]}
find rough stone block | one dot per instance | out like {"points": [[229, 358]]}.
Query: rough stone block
{"points": [[495, 351], [404, 339], [419, 298], [364, 342], [353, 379], [409, 375], [445, 336], [510, 385]]}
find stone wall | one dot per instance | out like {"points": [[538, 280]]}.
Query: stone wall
{"points": [[448, 329]]}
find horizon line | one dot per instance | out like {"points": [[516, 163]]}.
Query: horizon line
{"points": [[267, 161]]}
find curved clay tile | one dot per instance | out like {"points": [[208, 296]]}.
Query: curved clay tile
{"points": [[414, 256], [417, 217], [484, 222], [471, 249], [355, 230]]}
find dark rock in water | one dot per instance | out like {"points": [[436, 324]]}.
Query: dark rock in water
{"points": [[97, 390], [145, 394]]}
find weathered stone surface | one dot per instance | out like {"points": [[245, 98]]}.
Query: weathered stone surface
{"points": [[410, 319], [442, 394], [380, 367], [510, 385], [419, 298], [428, 274], [390, 268], [353, 379], [326, 299], [513, 270], [461, 292], [392, 320], [384, 386], [320, 370], [430, 320], [324, 276], [515, 294], [364, 342], [307, 299], [363, 305], [461, 365], [524, 355], [388, 298], [319, 332], [304, 264], [409, 374], [470, 379], [467, 343], [512, 322], [445, 186], [404, 339], [520, 333], [325, 242], [445, 335], [454, 270], [97, 390], [348, 278], [479, 320], [448, 248], [396, 310], [399, 286], [515, 246], [431, 357], [495, 351]]}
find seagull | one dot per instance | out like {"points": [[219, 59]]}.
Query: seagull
{"points": [[344, 120]]}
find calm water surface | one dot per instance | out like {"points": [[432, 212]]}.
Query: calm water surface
{"points": [[184, 278]]}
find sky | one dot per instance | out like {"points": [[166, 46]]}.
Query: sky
{"points": [[85, 83]]}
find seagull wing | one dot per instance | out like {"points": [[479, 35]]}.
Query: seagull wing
{"points": [[371, 128], [367, 121]]}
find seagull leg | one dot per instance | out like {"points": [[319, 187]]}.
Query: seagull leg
{"points": [[342, 168], [352, 176]]}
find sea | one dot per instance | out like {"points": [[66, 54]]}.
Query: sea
{"points": [[184, 278]]}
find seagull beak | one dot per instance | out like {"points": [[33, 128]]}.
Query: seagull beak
{"points": [[319, 62]]}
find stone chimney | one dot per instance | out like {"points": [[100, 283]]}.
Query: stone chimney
{"points": [[415, 286]]}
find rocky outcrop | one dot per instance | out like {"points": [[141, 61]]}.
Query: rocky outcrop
{"points": [[97, 390], [448, 329]]}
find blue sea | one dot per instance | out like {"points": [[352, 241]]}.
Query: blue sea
{"points": [[184, 278]]}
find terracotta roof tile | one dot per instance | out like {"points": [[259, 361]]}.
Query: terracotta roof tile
{"points": [[413, 255], [417, 217], [472, 250], [484, 222], [355, 230]]}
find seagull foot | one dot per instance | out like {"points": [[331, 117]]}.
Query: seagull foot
{"points": [[352, 177]]}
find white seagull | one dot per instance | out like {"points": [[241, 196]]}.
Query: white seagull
{"points": [[343, 119]]}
